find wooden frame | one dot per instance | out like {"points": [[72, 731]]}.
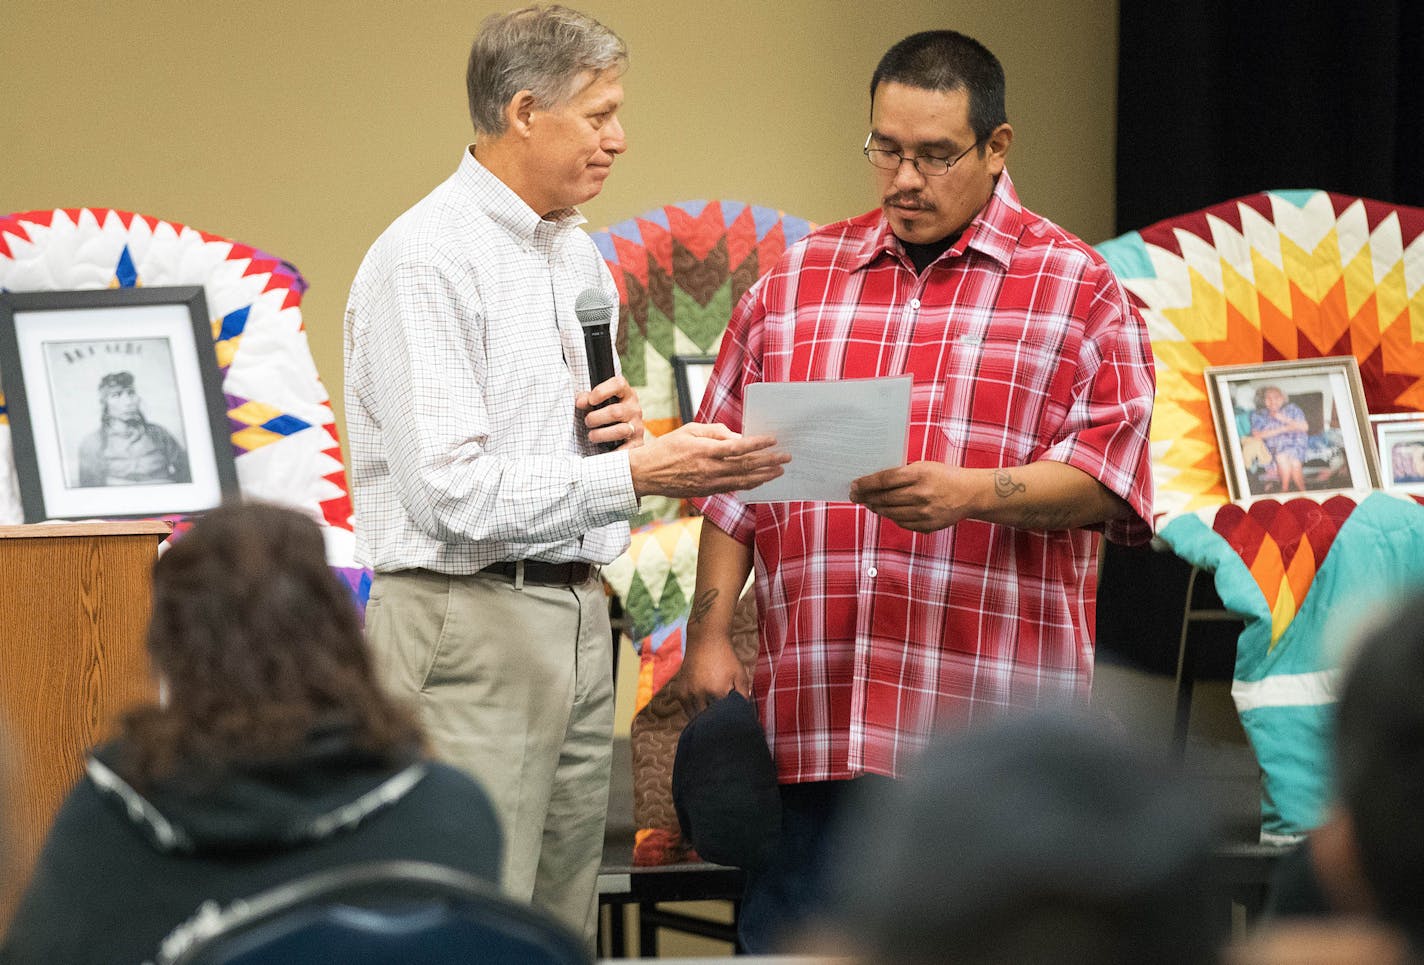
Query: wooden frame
{"points": [[115, 403], [1256, 408]]}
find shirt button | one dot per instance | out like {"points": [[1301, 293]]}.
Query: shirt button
{"points": [[915, 304], [872, 572]]}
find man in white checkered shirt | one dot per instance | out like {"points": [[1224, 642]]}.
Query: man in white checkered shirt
{"points": [[484, 499]]}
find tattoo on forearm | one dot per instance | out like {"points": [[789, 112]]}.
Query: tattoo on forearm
{"points": [[1047, 519], [701, 603], [1005, 485]]}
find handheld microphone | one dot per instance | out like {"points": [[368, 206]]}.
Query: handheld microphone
{"points": [[595, 313]]}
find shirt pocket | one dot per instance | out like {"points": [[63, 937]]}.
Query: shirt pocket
{"points": [[992, 399], [927, 439]]}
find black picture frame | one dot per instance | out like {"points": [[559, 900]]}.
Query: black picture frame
{"points": [[115, 403], [691, 373]]}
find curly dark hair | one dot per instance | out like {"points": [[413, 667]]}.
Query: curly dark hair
{"points": [[257, 643]]}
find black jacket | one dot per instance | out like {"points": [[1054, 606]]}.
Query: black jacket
{"points": [[120, 872]]}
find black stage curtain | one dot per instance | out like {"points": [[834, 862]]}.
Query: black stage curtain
{"points": [[1142, 598], [1220, 98]]}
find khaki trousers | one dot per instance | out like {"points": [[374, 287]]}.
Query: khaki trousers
{"points": [[514, 686]]}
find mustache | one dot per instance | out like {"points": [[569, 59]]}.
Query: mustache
{"points": [[908, 201]]}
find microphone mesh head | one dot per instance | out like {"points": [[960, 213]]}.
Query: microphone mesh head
{"points": [[594, 307]]}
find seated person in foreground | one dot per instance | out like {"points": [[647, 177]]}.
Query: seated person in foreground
{"points": [[271, 753], [1034, 841]]}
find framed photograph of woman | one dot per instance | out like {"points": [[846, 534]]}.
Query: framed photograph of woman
{"points": [[115, 403], [1399, 440], [1292, 427]]}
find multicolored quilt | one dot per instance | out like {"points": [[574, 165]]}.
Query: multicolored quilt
{"points": [[1271, 276], [680, 271], [284, 435], [654, 580], [1274, 276], [1301, 572]]}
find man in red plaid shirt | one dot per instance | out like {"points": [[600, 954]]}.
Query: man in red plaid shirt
{"points": [[962, 584]]}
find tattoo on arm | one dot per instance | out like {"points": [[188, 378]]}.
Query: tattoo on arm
{"points": [[1047, 519], [701, 603], [1005, 485]]}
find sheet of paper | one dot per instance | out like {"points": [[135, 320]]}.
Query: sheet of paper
{"points": [[836, 432]]}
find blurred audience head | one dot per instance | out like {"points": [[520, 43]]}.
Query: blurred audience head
{"points": [[256, 643], [1379, 763], [1031, 840], [1340, 941]]}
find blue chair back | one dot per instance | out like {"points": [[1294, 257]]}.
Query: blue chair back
{"points": [[405, 912]]}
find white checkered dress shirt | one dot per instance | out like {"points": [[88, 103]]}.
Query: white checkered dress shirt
{"points": [[463, 357]]}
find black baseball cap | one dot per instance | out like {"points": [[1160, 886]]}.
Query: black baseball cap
{"points": [[724, 785]]}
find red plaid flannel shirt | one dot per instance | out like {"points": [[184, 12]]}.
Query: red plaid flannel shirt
{"points": [[1023, 348]]}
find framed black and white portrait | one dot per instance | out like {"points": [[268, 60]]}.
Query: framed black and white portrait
{"points": [[115, 403]]}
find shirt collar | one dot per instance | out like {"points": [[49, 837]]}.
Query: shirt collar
{"points": [[993, 232], [507, 209]]}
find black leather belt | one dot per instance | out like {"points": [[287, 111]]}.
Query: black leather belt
{"points": [[543, 574]]}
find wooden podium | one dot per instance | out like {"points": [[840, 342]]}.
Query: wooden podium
{"points": [[74, 603]]}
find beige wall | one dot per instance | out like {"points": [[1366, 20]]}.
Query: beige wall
{"points": [[304, 126]]}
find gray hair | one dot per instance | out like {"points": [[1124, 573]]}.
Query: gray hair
{"points": [[540, 49]]}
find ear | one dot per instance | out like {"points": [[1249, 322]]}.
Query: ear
{"points": [[519, 112], [998, 145]]}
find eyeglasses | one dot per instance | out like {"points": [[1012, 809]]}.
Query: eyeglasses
{"points": [[927, 164]]}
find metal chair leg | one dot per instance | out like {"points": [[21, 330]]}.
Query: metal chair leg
{"points": [[1182, 717], [1187, 654]]}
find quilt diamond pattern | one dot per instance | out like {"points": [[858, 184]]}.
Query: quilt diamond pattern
{"points": [[1271, 276], [284, 435]]}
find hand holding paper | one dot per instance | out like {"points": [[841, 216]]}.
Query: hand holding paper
{"points": [[922, 497], [835, 432]]}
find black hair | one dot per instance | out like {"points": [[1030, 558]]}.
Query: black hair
{"points": [[945, 60]]}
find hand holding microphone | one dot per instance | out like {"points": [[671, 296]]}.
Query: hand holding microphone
{"points": [[616, 418], [693, 460]]}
